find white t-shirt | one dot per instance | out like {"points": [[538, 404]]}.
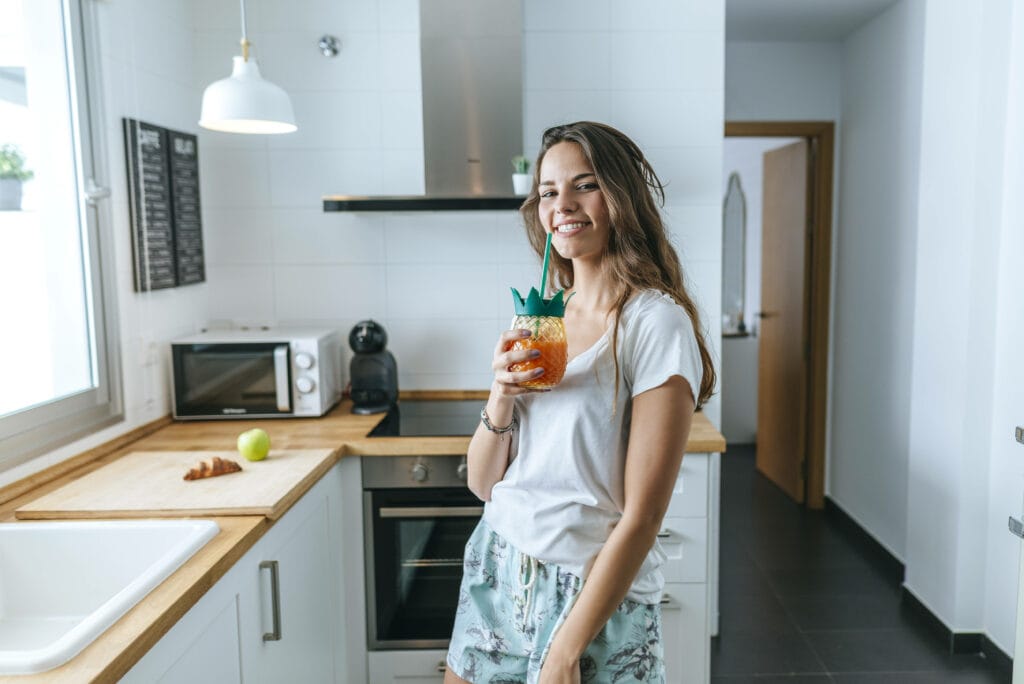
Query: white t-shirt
{"points": [[563, 492]]}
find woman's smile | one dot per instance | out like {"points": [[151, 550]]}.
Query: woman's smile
{"points": [[570, 228]]}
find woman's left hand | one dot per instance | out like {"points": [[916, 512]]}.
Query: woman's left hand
{"points": [[559, 672]]}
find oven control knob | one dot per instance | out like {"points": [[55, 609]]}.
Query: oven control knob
{"points": [[420, 472], [304, 360], [462, 472], [305, 385]]}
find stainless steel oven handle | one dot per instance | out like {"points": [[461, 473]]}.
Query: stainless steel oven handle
{"points": [[284, 390], [431, 511]]}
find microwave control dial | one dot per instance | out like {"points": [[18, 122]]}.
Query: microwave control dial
{"points": [[420, 472], [304, 360], [462, 472], [305, 385]]}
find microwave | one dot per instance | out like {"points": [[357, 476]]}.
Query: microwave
{"points": [[267, 373]]}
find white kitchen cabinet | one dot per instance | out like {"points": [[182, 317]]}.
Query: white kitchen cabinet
{"points": [[407, 667], [689, 536], [221, 638], [292, 637]]}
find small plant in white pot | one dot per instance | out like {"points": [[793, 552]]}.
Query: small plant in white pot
{"points": [[521, 178], [12, 174]]}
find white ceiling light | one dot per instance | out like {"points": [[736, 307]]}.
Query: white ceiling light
{"points": [[244, 102]]}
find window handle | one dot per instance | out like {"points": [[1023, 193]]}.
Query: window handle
{"points": [[94, 193]]}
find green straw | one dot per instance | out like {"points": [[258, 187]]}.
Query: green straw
{"points": [[544, 269]]}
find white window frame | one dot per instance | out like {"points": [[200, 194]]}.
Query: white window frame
{"points": [[39, 429]]}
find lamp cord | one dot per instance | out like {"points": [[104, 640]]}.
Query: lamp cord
{"points": [[245, 38]]}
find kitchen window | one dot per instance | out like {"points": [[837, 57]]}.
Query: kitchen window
{"points": [[59, 377]]}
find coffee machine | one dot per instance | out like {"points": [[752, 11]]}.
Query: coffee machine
{"points": [[373, 370]]}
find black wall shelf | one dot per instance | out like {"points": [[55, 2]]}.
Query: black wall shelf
{"points": [[419, 203]]}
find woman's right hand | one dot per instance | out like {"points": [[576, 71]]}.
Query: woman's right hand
{"points": [[506, 381]]}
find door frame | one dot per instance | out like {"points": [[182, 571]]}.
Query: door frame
{"points": [[821, 138]]}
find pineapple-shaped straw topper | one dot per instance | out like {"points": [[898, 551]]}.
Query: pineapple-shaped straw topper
{"points": [[544, 319]]}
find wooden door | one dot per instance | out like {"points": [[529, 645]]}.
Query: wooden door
{"points": [[783, 342]]}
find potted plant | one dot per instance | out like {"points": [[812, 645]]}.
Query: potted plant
{"points": [[12, 174], [521, 179]]}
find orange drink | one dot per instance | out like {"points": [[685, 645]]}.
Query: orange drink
{"points": [[549, 339]]}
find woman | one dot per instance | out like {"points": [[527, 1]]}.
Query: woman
{"points": [[561, 579]]}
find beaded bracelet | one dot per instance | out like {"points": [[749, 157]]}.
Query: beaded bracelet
{"points": [[496, 430]]}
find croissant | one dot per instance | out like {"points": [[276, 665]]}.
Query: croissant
{"points": [[212, 467]]}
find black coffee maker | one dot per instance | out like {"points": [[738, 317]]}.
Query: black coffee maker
{"points": [[373, 370]]}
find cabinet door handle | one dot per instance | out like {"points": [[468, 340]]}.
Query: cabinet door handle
{"points": [[275, 600], [667, 601], [442, 667], [665, 534]]}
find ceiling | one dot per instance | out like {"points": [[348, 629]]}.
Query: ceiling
{"points": [[798, 20]]}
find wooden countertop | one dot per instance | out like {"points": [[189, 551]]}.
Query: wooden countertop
{"points": [[111, 655]]}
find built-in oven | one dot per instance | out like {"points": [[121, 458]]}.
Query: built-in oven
{"points": [[418, 516]]}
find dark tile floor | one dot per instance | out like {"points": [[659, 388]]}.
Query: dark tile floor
{"points": [[805, 601]]}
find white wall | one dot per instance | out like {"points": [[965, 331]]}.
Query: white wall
{"points": [[1006, 468], [957, 253], [874, 264], [146, 55], [782, 81]]}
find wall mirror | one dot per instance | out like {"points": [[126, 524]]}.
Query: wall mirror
{"points": [[734, 257]]}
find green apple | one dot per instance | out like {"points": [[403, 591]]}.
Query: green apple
{"points": [[254, 444]]}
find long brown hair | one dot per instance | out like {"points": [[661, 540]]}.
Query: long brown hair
{"points": [[639, 254]]}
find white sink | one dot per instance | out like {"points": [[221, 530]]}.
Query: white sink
{"points": [[63, 583]]}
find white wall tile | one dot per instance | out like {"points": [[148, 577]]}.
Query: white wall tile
{"points": [[692, 175], [521, 276], [234, 177], [241, 292], [695, 230], [512, 243], [172, 104], [234, 236], [649, 60], [161, 47], [401, 120], [427, 291], [292, 60], [443, 381], [567, 15], [301, 177], [317, 16], [328, 292], [703, 61], [399, 59], [661, 15], [655, 118], [337, 119], [441, 238], [400, 15], [541, 111], [113, 21], [445, 346], [212, 56], [567, 61], [402, 172], [218, 15], [312, 236]]}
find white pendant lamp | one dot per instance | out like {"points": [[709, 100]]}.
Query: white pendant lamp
{"points": [[244, 102]]}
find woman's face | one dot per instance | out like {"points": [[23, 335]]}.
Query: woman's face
{"points": [[572, 206]]}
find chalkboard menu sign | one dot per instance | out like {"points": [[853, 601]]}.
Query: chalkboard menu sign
{"points": [[163, 191]]}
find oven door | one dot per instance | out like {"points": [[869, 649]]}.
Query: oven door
{"points": [[415, 540], [231, 380]]}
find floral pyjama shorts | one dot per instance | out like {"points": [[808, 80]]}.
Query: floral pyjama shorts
{"points": [[511, 605]]}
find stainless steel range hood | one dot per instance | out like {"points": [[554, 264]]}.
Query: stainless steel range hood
{"points": [[472, 94], [471, 62]]}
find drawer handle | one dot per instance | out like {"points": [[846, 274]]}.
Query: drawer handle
{"points": [[667, 601], [275, 600], [666, 533], [442, 667]]}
